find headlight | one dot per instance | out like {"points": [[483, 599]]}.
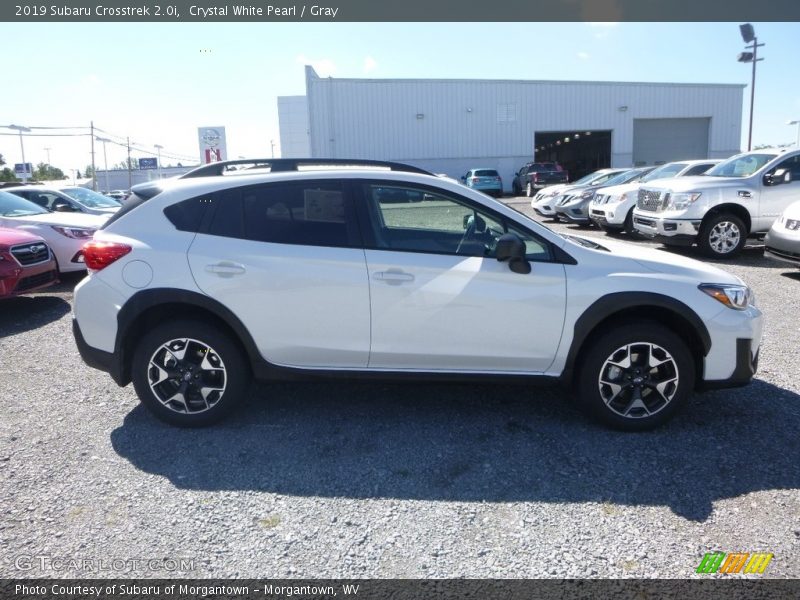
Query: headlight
{"points": [[792, 225], [587, 194], [76, 233], [681, 200], [738, 297]]}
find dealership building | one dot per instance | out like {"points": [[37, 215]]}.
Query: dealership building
{"points": [[452, 125]]}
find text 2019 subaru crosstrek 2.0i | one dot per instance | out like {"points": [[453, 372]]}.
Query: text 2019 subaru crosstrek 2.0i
{"points": [[299, 268]]}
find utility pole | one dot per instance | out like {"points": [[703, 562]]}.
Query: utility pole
{"points": [[105, 159], [94, 169], [158, 148], [130, 175]]}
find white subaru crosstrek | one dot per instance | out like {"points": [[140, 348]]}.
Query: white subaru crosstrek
{"points": [[361, 268]]}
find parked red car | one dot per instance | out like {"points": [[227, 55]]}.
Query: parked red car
{"points": [[26, 263]]}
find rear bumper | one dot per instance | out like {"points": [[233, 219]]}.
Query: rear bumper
{"points": [[97, 359]]}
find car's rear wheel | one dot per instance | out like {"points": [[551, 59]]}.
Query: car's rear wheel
{"points": [[189, 373], [529, 190], [635, 376], [722, 236]]}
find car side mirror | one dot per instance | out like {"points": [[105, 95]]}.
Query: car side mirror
{"points": [[778, 177], [512, 249]]}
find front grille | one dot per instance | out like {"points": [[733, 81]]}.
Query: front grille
{"points": [[649, 200], [31, 254], [598, 213], [599, 199], [28, 283]]}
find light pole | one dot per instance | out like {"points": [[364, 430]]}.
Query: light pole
{"points": [[796, 122], [20, 128], [749, 35], [105, 158], [158, 148]]}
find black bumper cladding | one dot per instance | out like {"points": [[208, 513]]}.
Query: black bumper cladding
{"points": [[97, 359], [746, 367]]}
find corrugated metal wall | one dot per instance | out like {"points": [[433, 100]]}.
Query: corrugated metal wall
{"points": [[486, 123]]}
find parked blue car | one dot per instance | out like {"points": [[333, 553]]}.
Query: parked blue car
{"points": [[487, 181]]}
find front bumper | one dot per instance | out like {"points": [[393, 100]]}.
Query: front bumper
{"points": [[783, 246], [681, 232], [573, 213], [743, 373], [544, 209]]}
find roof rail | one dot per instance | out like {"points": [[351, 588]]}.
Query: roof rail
{"points": [[276, 165]]}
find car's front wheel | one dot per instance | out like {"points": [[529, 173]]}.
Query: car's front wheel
{"points": [[722, 236], [189, 373], [635, 376]]}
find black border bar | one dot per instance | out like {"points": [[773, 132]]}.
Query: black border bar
{"points": [[266, 11], [724, 588]]}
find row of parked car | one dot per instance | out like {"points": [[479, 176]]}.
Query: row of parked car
{"points": [[42, 233], [715, 204]]}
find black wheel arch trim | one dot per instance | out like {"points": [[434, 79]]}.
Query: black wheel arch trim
{"points": [[147, 299], [614, 303]]}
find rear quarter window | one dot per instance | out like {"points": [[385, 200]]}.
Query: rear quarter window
{"points": [[188, 214]]}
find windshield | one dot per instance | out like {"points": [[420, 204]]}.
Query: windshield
{"points": [[586, 179], [14, 206], [90, 198], [664, 171], [624, 177], [743, 165]]}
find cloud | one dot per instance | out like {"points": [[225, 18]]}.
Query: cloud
{"points": [[324, 67], [370, 64], [583, 55]]}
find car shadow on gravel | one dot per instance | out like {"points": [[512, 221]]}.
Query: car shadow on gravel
{"points": [[473, 444], [25, 313]]}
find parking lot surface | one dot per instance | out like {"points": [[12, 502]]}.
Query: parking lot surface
{"points": [[357, 479]]}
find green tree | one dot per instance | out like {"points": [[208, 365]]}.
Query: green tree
{"points": [[90, 172], [7, 174], [123, 164], [45, 172], [2, 160]]}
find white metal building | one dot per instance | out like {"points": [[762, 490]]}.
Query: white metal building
{"points": [[450, 126]]}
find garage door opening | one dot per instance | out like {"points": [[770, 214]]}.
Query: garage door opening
{"points": [[579, 152]]}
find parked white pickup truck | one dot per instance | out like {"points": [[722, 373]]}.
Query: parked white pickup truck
{"points": [[738, 198]]}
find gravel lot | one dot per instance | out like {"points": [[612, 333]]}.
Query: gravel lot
{"points": [[352, 479]]}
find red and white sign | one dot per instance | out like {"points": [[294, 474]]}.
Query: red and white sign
{"points": [[212, 144]]}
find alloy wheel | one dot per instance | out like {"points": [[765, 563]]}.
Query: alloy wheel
{"points": [[638, 380], [724, 237], [187, 376]]}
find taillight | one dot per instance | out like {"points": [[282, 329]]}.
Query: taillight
{"points": [[475, 179], [536, 177], [98, 255]]}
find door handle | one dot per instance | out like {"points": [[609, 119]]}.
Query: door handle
{"points": [[745, 194], [393, 276], [226, 269]]}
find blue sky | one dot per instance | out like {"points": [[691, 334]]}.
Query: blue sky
{"points": [[158, 82]]}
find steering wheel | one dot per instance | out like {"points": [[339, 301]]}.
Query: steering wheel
{"points": [[472, 228]]}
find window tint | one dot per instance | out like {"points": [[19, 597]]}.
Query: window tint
{"points": [[187, 215], [309, 213], [435, 222], [486, 173]]}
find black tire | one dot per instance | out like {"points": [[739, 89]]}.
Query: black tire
{"points": [[639, 342], [515, 188], [628, 227], [529, 191], [722, 236], [209, 356]]}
